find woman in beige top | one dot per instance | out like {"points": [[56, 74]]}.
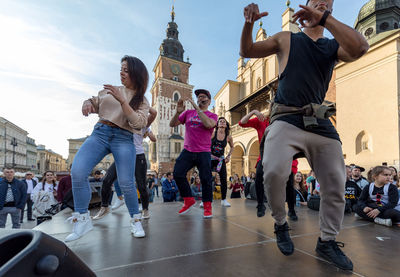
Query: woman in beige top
{"points": [[122, 111]]}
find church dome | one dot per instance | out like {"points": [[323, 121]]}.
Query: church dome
{"points": [[374, 6], [378, 16]]}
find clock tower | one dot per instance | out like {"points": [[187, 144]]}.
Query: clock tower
{"points": [[171, 83]]}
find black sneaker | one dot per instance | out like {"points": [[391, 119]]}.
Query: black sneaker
{"points": [[261, 210], [331, 252], [292, 215], [283, 240]]}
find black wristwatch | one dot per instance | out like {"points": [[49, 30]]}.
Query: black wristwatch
{"points": [[324, 17]]}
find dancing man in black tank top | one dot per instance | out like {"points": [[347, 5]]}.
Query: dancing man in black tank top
{"points": [[219, 140], [306, 61]]}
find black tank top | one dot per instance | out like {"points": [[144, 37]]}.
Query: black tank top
{"points": [[306, 79], [218, 146]]}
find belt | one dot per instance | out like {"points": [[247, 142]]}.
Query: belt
{"points": [[9, 204], [109, 123]]}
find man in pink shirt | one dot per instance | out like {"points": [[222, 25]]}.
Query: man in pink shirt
{"points": [[199, 124]]}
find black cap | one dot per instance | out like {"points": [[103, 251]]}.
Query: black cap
{"points": [[204, 91], [362, 169]]}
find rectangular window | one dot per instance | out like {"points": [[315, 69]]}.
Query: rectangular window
{"points": [[177, 147]]}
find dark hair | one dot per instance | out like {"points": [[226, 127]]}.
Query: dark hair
{"points": [[227, 129], [97, 172], [378, 170], [395, 178], [309, 1], [169, 174], [9, 168], [44, 177], [139, 76]]}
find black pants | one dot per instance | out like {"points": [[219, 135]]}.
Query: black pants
{"points": [[29, 203], [393, 214], [260, 184], [186, 161], [140, 176], [290, 193], [222, 175]]}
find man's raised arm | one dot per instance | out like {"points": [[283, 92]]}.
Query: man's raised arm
{"points": [[250, 49]]}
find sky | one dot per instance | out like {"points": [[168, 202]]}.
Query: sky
{"points": [[56, 54]]}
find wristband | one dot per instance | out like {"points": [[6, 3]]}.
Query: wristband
{"points": [[324, 17]]}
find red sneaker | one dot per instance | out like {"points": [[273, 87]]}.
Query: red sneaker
{"points": [[207, 210], [188, 202]]}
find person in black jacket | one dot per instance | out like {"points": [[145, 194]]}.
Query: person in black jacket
{"points": [[12, 198], [352, 192], [30, 185]]}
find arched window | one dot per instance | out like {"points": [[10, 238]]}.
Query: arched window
{"points": [[258, 82], [363, 142], [176, 96]]}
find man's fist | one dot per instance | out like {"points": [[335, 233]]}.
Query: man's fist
{"points": [[180, 108]]}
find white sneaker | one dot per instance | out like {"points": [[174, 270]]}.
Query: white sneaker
{"points": [[82, 225], [118, 203], [357, 216], [145, 214], [201, 205], [382, 221], [136, 226], [102, 213], [225, 203], [140, 207]]}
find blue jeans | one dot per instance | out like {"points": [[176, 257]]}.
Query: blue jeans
{"points": [[104, 140], [187, 160]]}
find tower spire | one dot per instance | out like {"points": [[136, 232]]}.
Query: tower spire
{"points": [[173, 11]]}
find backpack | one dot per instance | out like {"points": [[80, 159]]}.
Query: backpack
{"points": [[313, 202]]}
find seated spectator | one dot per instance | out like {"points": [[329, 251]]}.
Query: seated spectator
{"points": [[352, 192], [379, 201], [300, 188], [169, 188], [309, 181], [357, 177], [196, 188], [217, 187], [236, 186], [394, 179]]}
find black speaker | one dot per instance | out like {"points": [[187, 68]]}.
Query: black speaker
{"points": [[33, 253]]}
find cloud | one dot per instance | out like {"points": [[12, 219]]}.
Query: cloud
{"points": [[44, 78]]}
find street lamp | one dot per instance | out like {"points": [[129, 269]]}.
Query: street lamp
{"points": [[14, 143]]}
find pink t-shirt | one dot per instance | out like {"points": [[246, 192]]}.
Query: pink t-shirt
{"points": [[197, 137]]}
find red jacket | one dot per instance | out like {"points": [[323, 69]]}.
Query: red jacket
{"points": [[260, 128]]}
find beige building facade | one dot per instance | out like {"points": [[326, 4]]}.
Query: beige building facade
{"points": [[75, 144], [47, 159], [368, 90]]}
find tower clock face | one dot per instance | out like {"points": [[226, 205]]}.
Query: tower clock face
{"points": [[175, 68]]}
